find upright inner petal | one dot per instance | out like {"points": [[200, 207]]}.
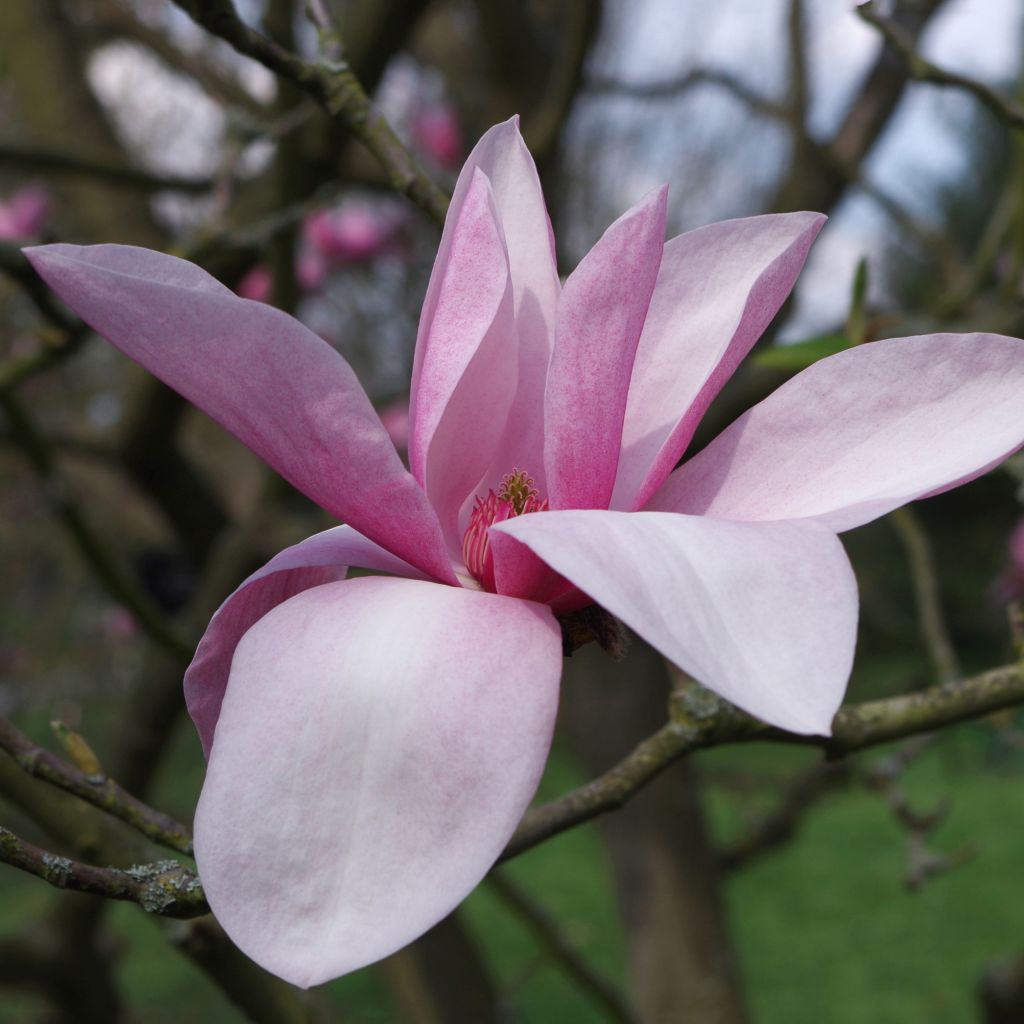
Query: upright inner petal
{"points": [[600, 316], [718, 289], [502, 156]]}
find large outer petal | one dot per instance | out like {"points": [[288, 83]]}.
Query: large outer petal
{"points": [[323, 558], [503, 157], [261, 374], [763, 613], [466, 378], [719, 287], [863, 432], [600, 317], [379, 741]]}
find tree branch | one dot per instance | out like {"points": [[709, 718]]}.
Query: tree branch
{"points": [[778, 825], [924, 577], [335, 87], [923, 70], [166, 887], [27, 436], [700, 719], [94, 788], [544, 926], [54, 161], [115, 20]]}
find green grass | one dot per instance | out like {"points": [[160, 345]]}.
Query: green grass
{"points": [[826, 930]]}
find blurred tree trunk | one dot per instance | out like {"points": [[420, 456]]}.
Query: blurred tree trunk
{"points": [[440, 978], [680, 958], [45, 68], [813, 184], [1001, 992]]}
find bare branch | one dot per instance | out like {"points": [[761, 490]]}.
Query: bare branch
{"points": [[335, 87], [94, 788], [166, 887], [828, 157], [934, 631], [798, 87], [54, 161], [923, 70], [700, 719], [780, 824], [115, 20], [675, 87], [89, 543], [550, 935]]}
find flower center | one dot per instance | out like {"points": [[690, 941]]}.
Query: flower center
{"points": [[518, 496]]}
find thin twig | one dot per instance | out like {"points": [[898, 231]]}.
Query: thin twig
{"points": [[544, 926], [672, 88], [931, 619], [112, 20], [53, 161], [827, 155], [95, 788], [335, 87], [166, 887], [923, 862], [778, 825], [798, 86], [923, 70], [89, 543]]}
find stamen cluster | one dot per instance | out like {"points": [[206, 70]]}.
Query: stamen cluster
{"points": [[518, 496]]}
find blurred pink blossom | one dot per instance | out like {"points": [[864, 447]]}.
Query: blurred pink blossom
{"points": [[256, 284], [118, 623], [25, 213], [437, 133], [350, 233], [310, 270]]}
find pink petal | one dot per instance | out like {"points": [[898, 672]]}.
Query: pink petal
{"points": [[467, 361], [763, 613], [323, 558], [379, 742], [718, 289], [273, 383], [600, 316], [503, 157], [862, 432]]}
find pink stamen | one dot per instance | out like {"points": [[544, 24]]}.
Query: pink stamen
{"points": [[518, 497]]}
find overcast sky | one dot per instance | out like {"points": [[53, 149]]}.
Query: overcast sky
{"points": [[725, 172]]}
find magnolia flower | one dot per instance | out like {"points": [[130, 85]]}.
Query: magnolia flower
{"points": [[25, 213], [373, 742]]}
